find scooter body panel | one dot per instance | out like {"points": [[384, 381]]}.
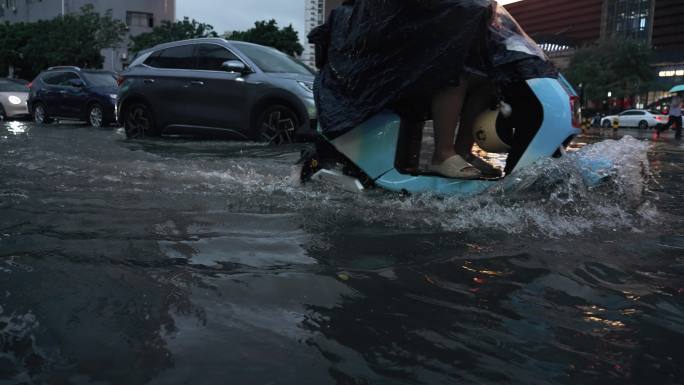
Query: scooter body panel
{"points": [[373, 145], [556, 126]]}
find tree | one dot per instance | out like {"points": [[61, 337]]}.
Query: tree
{"points": [[73, 39], [172, 31], [620, 66], [267, 33]]}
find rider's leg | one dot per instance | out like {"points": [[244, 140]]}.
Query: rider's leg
{"points": [[446, 114], [480, 98]]}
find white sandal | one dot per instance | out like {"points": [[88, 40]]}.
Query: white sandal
{"points": [[456, 167]]}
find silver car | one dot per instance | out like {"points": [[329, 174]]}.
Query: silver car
{"points": [[13, 99], [218, 88]]}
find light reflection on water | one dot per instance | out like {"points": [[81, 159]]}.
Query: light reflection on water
{"points": [[17, 127]]}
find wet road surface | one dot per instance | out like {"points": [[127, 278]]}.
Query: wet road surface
{"points": [[205, 262]]}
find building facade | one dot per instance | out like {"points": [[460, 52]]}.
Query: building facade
{"points": [[139, 15], [315, 14], [560, 26], [313, 17]]}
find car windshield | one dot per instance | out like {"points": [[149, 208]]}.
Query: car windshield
{"points": [[12, 86], [100, 79], [271, 60]]}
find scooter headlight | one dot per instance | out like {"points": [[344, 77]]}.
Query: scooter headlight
{"points": [[14, 100]]}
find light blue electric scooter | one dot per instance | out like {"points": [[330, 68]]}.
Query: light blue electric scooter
{"points": [[545, 118]]}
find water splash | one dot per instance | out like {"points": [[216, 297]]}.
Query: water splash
{"points": [[552, 198]]}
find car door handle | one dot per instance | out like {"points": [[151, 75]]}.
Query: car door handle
{"points": [[148, 81], [197, 83], [62, 92]]}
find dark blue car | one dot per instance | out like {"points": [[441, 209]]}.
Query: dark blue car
{"points": [[75, 94]]}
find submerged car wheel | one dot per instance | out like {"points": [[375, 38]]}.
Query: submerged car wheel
{"points": [[606, 124], [139, 121], [39, 114], [643, 125], [96, 116], [278, 125]]}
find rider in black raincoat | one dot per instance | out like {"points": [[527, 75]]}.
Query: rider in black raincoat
{"points": [[378, 54]]}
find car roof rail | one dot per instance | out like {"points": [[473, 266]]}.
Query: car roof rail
{"points": [[64, 68]]}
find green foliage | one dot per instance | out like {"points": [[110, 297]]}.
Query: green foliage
{"points": [[168, 32], [73, 39], [620, 66], [267, 33]]}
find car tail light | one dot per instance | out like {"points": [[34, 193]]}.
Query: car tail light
{"points": [[29, 85], [576, 111], [119, 80], [660, 118]]}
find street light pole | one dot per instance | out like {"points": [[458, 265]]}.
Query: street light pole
{"points": [[62, 8]]}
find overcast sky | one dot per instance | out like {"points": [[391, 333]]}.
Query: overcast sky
{"points": [[241, 14]]}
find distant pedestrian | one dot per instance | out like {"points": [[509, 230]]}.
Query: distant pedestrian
{"points": [[675, 116]]}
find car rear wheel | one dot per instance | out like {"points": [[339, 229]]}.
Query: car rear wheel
{"points": [[643, 125], [606, 124], [40, 115], [278, 125], [139, 121], [96, 116]]}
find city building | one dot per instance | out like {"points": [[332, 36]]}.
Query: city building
{"points": [[561, 26], [139, 15], [315, 14], [313, 17]]}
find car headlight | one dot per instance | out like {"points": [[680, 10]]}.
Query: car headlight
{"points": [[14, 100], [308, 86]]}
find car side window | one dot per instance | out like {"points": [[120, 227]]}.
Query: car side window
{"points": [[64, 80], [53, 79], [181, 57], [152, 59], [212, 56]]}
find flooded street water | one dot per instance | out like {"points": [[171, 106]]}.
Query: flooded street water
{"points": [[206, 262]]}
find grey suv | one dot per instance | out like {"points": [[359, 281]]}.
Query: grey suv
{"points": [[217, 87]]}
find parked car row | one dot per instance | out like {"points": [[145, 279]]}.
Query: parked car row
{"points": [[192, 87], [642, 119]]}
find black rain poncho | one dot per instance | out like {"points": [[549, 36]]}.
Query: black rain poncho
{"points": [[378, 54]]}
